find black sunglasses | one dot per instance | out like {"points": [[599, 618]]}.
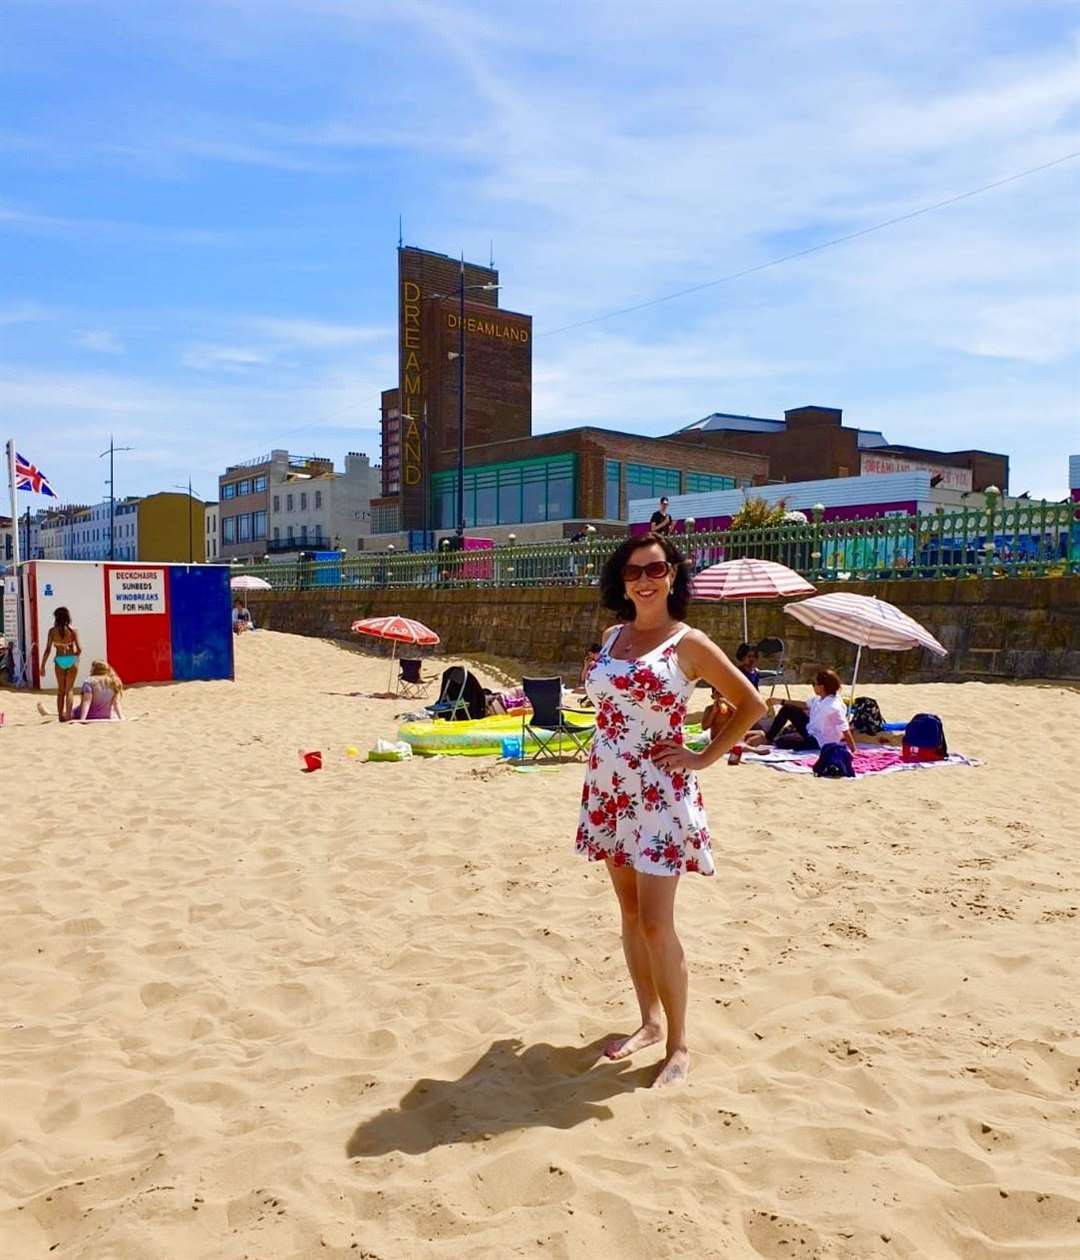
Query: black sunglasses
{"points": [[655, 569]]}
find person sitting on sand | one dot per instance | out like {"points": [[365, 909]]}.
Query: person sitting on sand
{"points": [[717, 716], [590, 660], [63, 640], [241, 618], [101, 696], [746, 658], [822, 720]]}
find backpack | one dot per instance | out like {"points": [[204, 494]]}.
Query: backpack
{"points": [[866, 717], [834, 762], [924, 739]]}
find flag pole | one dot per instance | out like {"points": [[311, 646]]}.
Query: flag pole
{"points": [[19, 660]]}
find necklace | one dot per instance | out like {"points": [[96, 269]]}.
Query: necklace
{"points": [[632, 639]]}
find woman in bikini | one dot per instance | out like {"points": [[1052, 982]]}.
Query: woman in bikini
{"points": [[641, 808], [63, 640]]}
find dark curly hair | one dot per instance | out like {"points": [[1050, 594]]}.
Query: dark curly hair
{"points": [[613, 588]]}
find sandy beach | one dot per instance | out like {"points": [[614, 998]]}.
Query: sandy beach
{"points": [[251, 1012]]}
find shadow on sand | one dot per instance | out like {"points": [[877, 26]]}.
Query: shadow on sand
{"points": [[509, 1087]]}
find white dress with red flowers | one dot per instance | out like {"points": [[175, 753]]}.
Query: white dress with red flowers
{"points": [[634, 812]]}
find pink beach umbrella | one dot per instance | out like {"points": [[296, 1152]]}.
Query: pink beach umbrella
{"points": [[865, 621], [747, 579], [397, 630]]}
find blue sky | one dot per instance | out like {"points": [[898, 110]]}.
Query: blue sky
{"points": [[199, 208]]}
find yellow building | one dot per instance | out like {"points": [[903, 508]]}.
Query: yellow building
{"points": [[171, 528]]}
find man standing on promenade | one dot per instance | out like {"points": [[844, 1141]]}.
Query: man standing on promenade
{"points": [[660, 522]]}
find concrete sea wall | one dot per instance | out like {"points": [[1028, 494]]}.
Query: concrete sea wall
{"points": [[994, 628]]}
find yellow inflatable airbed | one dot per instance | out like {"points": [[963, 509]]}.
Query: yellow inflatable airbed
{"points": [[483, 737]]}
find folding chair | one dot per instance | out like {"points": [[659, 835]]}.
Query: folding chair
{"points": [[412, 683], [451, 701], [547, 725], [777, 674]]}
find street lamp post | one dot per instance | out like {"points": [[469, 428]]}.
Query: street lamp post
{"points": [[112, 493], [461, 290], [190, 543]]}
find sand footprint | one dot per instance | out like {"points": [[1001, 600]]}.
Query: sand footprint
{"points": [[775, 1236]]}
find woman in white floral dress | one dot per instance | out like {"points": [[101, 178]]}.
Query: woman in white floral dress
{"points": [[641, 807]]}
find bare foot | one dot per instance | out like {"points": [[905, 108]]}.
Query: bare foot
{"points": [[622, 1047], [673, 1071]]}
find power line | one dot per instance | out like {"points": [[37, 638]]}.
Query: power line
{"points": [[315, 423], [813, 249]]}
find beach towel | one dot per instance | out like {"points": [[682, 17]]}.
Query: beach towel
{"points": [[864, 761]]}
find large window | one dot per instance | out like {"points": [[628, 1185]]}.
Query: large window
{"points": [[259, 524], [243, 487], [228, 530], [612, 477], [542, 489], [228, 490], [259, 483], [386, 519], [243, 527], [644, 482], [699, 483]]}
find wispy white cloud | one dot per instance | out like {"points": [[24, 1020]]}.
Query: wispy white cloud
{"points": [[208, 358], [316, 334], [100, 341], [23, 219], [22, 313]]}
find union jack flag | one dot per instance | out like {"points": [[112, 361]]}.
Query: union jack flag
{"points": [[27, 477]]}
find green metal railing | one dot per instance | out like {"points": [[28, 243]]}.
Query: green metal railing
{"points": [[1035, 539]]}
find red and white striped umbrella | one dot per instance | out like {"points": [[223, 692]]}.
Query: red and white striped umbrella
{"points": [[749, 578], [866, 621], [397, 630]]}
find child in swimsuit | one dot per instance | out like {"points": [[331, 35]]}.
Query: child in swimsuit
{"points": [[63, 640]]}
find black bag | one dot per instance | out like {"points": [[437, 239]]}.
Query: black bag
{"points": [[866, 717], [834, 762]]}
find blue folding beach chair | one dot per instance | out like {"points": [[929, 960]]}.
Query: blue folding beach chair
{"points": [[451, 703]]}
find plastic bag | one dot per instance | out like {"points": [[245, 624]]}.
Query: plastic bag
{"points": [[389, 750]]}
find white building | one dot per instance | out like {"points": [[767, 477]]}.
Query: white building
{"points": [[843, 498], [212, 538], [29, 538], [83, 533], [315, 507]]}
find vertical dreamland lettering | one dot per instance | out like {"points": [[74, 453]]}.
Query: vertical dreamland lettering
{"points": [[411, 453], [411, 384]]}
